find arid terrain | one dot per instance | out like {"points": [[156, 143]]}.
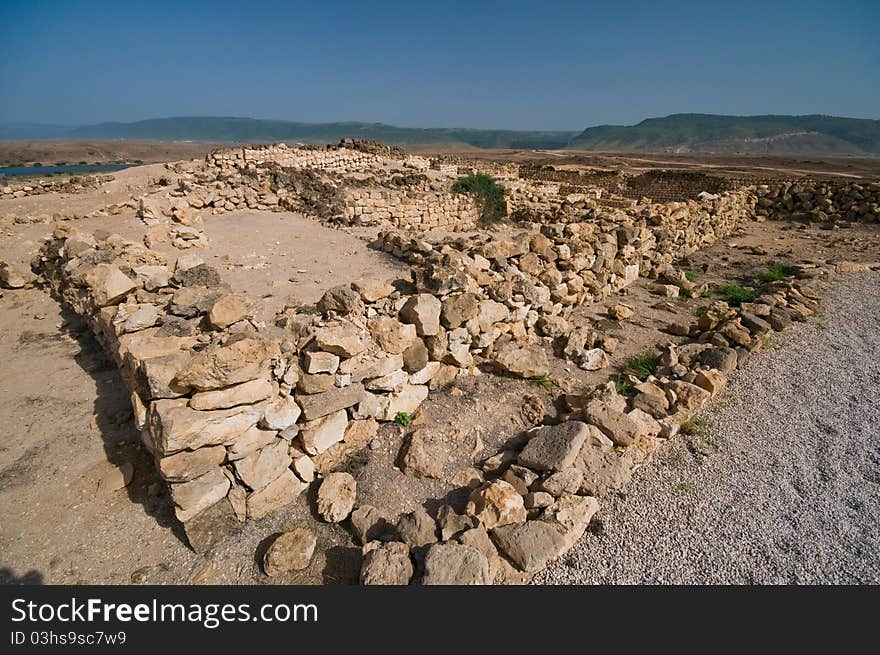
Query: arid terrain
{"points": [[14, 153], [83, 501]]}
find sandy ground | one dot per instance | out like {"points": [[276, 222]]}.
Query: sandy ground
{"points": [[789, 491], [69, 422], [72, 152], [760, 166]]}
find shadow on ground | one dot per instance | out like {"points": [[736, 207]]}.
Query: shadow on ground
{"points": [[114, 419]]}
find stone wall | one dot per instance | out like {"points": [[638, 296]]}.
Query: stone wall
{"points": [[339, 160], [239, 416], [820, 201], [31, 187], [409, 209]]}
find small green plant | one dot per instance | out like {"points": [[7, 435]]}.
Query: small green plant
{"points": [[695, 426], [642, 366], [776, 272], [691, 276], [769, 343], [684, 488], [308, 310], [735, 294], [623, 386], [650, 288], [488, 194], [403, 419], [545, 381], [706, 446]]}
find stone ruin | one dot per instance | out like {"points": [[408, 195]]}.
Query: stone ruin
{"points": [[33, 187], [243, 417]]}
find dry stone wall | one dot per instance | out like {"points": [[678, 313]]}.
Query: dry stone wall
{"points": [[409, 209], [531, 502], [820, 201], [239, 416], [73, 184], [242, 417]]}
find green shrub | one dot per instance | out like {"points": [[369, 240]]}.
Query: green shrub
{"points": [[622, 385], [403, 419], [488, 194], [545, 381], [642, 366], [735, 295], [691, 276], [776, 272]]}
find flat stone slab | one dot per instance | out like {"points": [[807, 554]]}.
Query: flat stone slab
{"points": [[530, 545], [556, 447]]}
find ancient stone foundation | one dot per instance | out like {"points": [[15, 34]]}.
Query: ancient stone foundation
{"points": [[820, 201], [242, 417], [72, 184]]}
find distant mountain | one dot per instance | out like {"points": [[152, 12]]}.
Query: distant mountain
{"points": [[209, 128], [737, 134], [27, 131], [818, 135]]}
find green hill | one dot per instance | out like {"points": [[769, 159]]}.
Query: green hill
{"points": [[210, 128], [793, 135], [737, 134]]}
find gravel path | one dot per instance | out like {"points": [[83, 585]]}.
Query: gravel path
{"points": [[792, 492]]}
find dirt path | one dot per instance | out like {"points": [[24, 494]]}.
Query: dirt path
{"points": [[790, 492]]}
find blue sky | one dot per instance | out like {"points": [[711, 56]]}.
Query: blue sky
{"points": [[516, 65]]}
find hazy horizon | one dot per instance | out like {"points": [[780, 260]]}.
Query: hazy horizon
{"points": [[515, 66]]}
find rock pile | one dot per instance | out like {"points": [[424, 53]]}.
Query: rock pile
{"points": [[820, 201], [241, 417], [531, 502], [72, 184], [502, 294]]}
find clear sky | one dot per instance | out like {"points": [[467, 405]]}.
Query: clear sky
{"points": [[526, 65]]}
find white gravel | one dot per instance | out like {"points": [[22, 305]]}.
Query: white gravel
{"points": [[792, 493]]}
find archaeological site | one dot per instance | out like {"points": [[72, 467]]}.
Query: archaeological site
{"points": [[358, 364]]}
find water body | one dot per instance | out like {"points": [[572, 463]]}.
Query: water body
{"points": [[72, 169]]}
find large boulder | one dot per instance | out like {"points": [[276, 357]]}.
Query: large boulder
{"points": [[174, 426], [228, 309], [291, 551], [524, 362], [198, 494], [263, 466], [319, 435], [417, 528], [554, 448], [278, 493], [240, 361], [458, 309], [529, 545], [455, 564], [616, 425], [423, 311], [341, 300], [386, 564], [495, 504], [108, 284], [336, 497], [344, 340], [426, 455], [391, 335]]}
